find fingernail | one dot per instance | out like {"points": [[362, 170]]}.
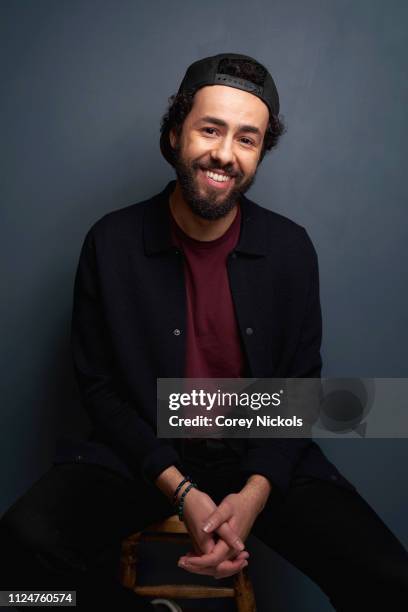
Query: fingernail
{"points": [[239, 544], [245, 563], [181, 563], [207, 527]]}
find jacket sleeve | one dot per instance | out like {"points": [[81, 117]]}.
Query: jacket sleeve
{"points": [[111, 413], [276, 458]]}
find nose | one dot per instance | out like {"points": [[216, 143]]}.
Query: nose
{"points": [[223, 152]]}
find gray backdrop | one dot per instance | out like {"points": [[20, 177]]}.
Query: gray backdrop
{"points": [[84, 87]]}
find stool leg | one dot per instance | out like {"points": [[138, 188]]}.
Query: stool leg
{"points": [[128, 560], [244, 593]]}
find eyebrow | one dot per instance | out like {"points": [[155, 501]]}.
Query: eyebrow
{"points": [[241, 128]]}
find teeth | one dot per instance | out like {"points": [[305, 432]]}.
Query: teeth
{"points": [[221, 178]]}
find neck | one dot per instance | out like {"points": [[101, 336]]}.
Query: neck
{"points": [[194, 226]]}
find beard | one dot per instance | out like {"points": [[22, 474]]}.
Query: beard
{"points": [[213, 205]]}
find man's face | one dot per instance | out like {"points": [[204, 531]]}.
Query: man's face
{"points": [[217, 153]]}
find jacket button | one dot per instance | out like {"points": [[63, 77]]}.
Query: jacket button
{"points": [[233, 255], [176, 332], [249, 331], [177, 252], [78, 457]]}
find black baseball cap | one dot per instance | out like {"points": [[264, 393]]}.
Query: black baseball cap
{"points": [[208, 71]]}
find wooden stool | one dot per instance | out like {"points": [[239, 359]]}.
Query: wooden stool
{"points": [[173, 530]]}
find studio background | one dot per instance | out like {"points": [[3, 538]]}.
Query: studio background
{"points": [[85, 84]]}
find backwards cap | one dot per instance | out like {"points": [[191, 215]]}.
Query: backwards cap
{"points": [[206, 72]]}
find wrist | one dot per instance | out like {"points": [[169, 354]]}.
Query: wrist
{"points": [[191, 496], [256, 490], [181, 487], [186, 494], [168, 481]]}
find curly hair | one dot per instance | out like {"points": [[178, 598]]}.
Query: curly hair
{"points": [[181, 104]]}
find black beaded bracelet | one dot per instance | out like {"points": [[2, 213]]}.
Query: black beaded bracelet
{"points": [[185, 479], [182, 499]]}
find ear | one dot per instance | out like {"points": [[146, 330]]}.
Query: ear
{"points": [[173, 138]]}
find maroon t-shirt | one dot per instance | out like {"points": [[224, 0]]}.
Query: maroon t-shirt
{"points": [[213, 342]]}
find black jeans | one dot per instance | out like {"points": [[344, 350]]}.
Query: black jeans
{"points": [[65, 533]]}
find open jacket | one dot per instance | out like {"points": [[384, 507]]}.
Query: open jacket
{"points": [[128, 329]]}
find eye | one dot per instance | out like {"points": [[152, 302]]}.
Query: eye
{"points": [[211, 131], [247, 141]]}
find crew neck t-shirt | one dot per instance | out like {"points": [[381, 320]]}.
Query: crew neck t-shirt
{"points": [[213, 345]]}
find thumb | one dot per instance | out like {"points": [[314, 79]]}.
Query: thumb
{"points": [[207, 546], [218, 517]]}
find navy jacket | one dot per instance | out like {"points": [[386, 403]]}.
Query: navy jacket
{"points": [[129, 309]]}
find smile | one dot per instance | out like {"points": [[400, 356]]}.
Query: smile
{"points": [[217, 177], [217, 180]]}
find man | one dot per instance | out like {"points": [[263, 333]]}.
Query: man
{"points": [[198, 281]]}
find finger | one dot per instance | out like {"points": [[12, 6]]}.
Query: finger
{"points": [[225, 569], [203, 571], [218, 517], [212, 559], [192, 554], [242, 556], [232, 554], [202, 545], [230, 537], [185, 559], [206, 546], [184, 564], [228, 566]]}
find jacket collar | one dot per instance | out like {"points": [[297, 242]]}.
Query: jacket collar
{"points": [[157, 233]]}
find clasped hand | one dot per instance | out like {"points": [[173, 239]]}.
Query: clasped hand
{"points": [[217, 533]]}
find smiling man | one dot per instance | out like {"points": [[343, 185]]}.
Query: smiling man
{"points": [[199, 282]]}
